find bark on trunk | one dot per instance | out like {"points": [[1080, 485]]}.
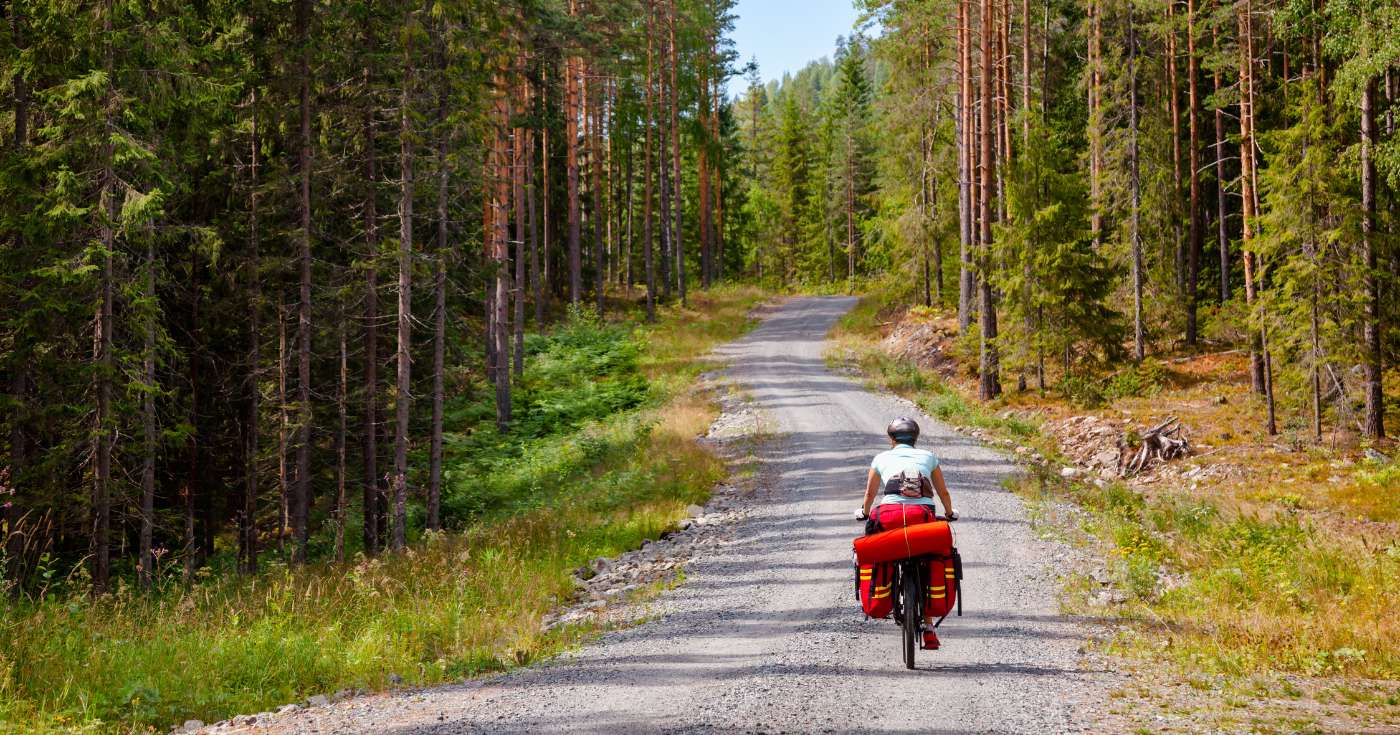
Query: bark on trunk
{"points": [[677, 238], [571, 113], [370, 487], [648, 169], [499, 233], [536, 284], [517, 148], [966, 263], [248, 536], [1256, 352], [990, 384], [19, 378], [1135, 185], [1194, 245], [341, 435], [402, 364], [146, 566], [103, 436], [1372, 325], [439, 312], [301, 496], [1222, 203]]}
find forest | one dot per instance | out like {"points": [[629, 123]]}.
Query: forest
{"points": [[293, 290], [1091, 183], [266, 265]]}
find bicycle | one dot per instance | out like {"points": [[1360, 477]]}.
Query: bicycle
{"points": [[911, 579]]}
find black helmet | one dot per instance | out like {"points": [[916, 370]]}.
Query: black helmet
{"points": [[903, 430]]}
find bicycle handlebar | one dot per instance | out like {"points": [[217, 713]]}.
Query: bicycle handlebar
{"points": [[862, 517]]}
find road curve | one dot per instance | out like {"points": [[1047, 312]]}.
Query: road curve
{"points": [[765, 634]]}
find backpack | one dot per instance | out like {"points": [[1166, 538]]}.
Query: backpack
{"points": [[911, 483]]}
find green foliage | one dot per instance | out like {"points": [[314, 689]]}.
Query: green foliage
{"points": [[585, 371], [1134, 381], [1057, 301]]}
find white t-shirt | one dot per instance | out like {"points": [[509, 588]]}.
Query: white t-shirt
{"points": [[903, 458]]}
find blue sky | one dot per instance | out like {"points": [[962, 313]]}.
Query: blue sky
{"points": [[786, 34]]}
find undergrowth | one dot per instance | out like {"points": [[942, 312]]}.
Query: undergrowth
{"points": [[605, 458]]}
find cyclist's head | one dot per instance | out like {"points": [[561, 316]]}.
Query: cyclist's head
{"points": [[903, 431]]}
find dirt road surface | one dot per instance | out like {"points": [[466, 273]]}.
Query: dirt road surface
{"points": [[765, 636]]}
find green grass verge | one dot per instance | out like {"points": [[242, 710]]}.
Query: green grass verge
{"points": [[453, 606]]}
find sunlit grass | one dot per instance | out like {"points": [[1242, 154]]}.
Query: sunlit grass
{"points": [[453, 606]]}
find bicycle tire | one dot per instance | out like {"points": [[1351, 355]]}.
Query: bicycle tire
{"points": [[909, 594]]}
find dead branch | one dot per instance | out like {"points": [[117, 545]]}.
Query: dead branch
{"points": [[1160, 444]]}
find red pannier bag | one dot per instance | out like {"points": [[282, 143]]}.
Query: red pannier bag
{"points": [[873, 582], [942, 587]]}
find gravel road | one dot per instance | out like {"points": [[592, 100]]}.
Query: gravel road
{"points": [[765, 634]]}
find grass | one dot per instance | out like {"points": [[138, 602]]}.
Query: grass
{"points": [[455, 605], [1253, 575]]}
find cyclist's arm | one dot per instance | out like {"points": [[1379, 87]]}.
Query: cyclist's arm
{"points": [[872, 485], [942, 489]]}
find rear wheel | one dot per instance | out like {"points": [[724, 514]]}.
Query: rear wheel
{"points": [[909, 597]]}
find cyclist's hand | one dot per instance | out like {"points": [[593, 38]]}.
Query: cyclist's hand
{"points": [[953, 514], [861, 515]]}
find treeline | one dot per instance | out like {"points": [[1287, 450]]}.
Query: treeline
{"points": [[248, 250], [1098, 180]]}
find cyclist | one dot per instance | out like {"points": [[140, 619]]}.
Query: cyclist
{"points": [[896, 470]]}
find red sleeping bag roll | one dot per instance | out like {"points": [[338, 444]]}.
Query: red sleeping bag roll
{"points": [[902, 543]]}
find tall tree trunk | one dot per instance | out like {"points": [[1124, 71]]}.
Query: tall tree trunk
{"points": [[370, 487], [517, 170], [283, 478], [1026, 73], [571, 114], [341, 436], [434, 522], [403, 359], [677, 239], [966, 263], [1372, 326], [191, 492], [703, 177], [1135, 185], [536, 285], [19, 377], [1174, 111], [1256, 352], [1091, 70], [648, 168], [630, 278], [1194, 246], [599, 217], [146, 568], [301, 496], [248, 536], [1221, 200], [103, 434], [850, 209], [546, 269], [717, 170], [499, 233], [663, 179], [990, 384]]}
